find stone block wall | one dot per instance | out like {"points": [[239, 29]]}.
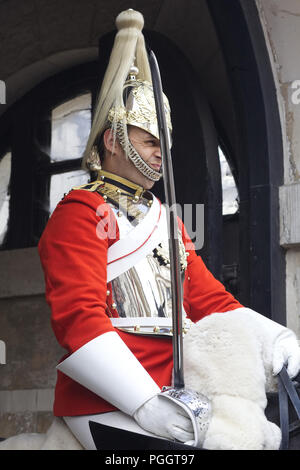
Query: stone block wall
{"points": [[28, 374], [280, 20]]}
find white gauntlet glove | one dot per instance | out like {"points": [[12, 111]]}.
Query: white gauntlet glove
{"points": [[286, 351], [166, 419], [284, 345], [108, 368]]}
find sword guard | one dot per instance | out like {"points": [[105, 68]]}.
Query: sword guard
{"points": [[196, 405]]}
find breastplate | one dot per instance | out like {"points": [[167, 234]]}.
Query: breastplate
{"points": [[142, 295]]}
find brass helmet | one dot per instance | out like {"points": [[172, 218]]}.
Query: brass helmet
{"points": [[126, 96]]}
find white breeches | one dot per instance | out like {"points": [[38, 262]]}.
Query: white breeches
{"points": [[79, 425]]}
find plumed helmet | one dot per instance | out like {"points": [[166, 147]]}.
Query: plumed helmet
{"points": [[126, 96]]}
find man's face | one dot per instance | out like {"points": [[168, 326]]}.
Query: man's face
{"points": [[148, 148]]}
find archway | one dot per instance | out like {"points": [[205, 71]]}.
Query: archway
{"points": [[259, 157]]}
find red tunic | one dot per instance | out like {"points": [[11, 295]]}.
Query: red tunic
{"points": [[74, 261]]}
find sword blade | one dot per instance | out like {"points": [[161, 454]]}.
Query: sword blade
{"points": [[169, 188]]}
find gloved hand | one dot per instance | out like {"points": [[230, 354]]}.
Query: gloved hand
{"points": [[286, 351], [165, 419], [285, 347]]}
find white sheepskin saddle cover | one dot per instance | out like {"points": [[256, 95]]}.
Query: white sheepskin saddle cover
{"points": [[228, 359], [58, 437]]}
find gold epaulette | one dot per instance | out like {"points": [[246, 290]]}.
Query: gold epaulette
{"points": [[94, 186]]}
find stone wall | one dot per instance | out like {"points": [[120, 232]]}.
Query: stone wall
{"points": [[281, 23], [28, 374]]}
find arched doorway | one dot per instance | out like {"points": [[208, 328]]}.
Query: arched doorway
{"points": [[260, 155]]}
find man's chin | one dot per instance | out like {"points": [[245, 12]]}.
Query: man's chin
{"points": [[149, 184]]}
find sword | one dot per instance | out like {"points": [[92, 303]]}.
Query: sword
{"points": [[169, 188], [196, 405]]}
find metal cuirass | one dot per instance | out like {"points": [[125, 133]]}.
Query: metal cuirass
{"points": [[142, 295]]}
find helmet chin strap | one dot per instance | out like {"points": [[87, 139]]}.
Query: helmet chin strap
{"points": [[134, 156]]}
